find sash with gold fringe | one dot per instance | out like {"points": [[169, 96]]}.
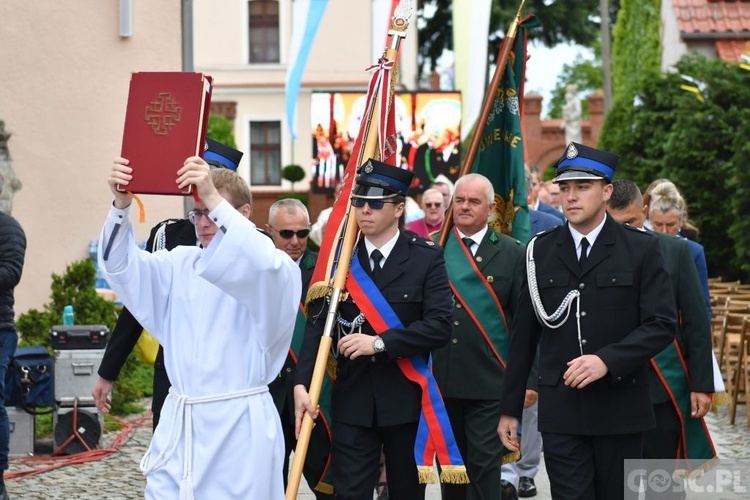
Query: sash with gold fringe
{"points": [[480, 302], [325, 482], [695, 447], [434, 434]]}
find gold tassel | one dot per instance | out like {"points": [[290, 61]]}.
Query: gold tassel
{"points": [[698, 471], [331, 367], [511, 457], [720, 399], [454, 474], [316, 291], [324, 488], [426, 474]]}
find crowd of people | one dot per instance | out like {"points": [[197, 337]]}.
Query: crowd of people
{"points": [[567, 343]]}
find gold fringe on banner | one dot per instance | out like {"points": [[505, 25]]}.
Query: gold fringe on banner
{"points": [[720, 399], [316, 291], [426, 474], [511, 457], [698, 471], [324, 488], [331, 367], [454, 474]]}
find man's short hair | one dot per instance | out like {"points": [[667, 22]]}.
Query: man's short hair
{"points": [[529, 179], [432, 191], [291, 205], [234, 187], [2, 183], [624, 194], [489, 190]]}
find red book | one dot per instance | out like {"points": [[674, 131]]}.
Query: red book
{"points": [[165, 123]]}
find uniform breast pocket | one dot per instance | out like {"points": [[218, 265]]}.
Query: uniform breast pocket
{"points": [[614, 289], [552, 280], [549, 377], [405, 301]]}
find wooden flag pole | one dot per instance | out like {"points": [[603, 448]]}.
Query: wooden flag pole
{"points": [[369, 147], [489, 99]]}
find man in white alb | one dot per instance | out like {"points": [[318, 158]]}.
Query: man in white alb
{"points": [[224, 314]]}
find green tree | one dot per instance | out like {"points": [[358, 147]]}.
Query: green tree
{"points": [[222, 130], [561, 22], [585, 74], [702, 146]]}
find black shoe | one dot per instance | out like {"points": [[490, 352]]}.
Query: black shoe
{"points": [[526, 487], [507, 491], [3, 492]]}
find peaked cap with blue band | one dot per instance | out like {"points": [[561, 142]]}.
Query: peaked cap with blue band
{"points": [[219, 155], [378, 180], [581, 162]]}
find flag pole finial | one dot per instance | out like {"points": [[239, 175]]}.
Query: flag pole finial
{"points": [[400, 22]]}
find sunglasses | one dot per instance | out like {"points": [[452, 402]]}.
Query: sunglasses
{"points": [[433, 205], [374, 204], [288, 234]]}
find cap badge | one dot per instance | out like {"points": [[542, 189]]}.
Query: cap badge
{"points": [[572, 152], [368, 168]]}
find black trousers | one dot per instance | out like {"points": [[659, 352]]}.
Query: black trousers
{"points": [[662, 443], [355, 457], [589, 467]]}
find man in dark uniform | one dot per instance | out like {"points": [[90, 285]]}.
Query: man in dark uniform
{"points": [[599, 305], [680, 392], [289, 227], [167, 234], [486, 273], [374, 405]]}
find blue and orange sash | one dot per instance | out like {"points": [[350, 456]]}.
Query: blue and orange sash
{"points": [[325, 483], [695, 448], [434, 435]]}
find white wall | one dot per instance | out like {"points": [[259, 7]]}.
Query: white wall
{"points": [[63, 92]]}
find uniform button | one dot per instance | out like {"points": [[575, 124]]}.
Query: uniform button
{"points": [[490, 279], [455, 323], [289, 370], [635, 380], [583, 313], [406, 295], [583, 342], [619, 378], [215, 219], [458, 305], [455, 341], [551, 281], [614, 280], [581, 286], [479, 258], [374, 359]]}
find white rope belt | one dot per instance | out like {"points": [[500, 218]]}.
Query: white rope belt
{"points": [[182, 422]]}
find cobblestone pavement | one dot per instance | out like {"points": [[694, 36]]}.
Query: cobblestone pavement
{"points": [[117, 477]]}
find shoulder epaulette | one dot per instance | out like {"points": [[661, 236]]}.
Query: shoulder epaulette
{"points": [[423, 242], [548, 231], [637, 229]]}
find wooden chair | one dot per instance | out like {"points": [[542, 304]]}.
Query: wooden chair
{"points": [[731, 357], [741, 380]]}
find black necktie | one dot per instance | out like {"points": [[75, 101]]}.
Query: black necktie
{"points": [[584, 248], [468, 242], [376, 257]]}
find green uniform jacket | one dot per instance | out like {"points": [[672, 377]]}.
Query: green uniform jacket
{"points": [[466, 367], [694, 332]]}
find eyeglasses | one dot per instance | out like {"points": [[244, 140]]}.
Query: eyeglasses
{"points": [[374, 204], [287, 234], [434, 205], [195, 215]]}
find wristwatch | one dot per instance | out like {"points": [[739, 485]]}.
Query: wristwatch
{"points": [[378, 344]]}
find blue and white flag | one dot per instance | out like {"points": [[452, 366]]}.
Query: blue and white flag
{"points": [[306, 17]]}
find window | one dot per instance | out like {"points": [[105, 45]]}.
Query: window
{"points": [[263, 24], [265, 153]]}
